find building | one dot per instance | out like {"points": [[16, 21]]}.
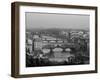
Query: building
{"points": [[37, 43], [28, 45]]}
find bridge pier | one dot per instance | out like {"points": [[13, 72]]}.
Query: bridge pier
{"points": [[64, 49], [51, 50]]}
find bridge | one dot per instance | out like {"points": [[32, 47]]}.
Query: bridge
{"points": [[52, 43], [63, 46]]}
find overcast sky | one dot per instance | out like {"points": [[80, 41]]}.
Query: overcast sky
{"points": [[43, 20]]}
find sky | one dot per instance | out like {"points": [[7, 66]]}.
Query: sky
{"points": [[62, 21]]}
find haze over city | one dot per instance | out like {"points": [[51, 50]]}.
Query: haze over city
{"points": [[61, 21]]}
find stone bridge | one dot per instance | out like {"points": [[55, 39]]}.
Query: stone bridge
{"points": [[63, 46]]}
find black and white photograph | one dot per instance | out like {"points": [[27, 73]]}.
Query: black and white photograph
{"points": [[57, 39], [53, 39]]}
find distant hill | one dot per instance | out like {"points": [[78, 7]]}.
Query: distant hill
{"points": [[53, 30]]}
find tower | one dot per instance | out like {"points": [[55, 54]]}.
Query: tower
{"points": [[37, 42]]}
